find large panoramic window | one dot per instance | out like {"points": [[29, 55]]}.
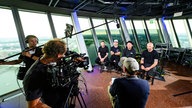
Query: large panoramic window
{"points": [[9, 45], [182, 33], [131, 34], [60, 26], [141, 33], [36, 24], [115, 33], [88, 38], [154, 31], [171, 33], [101, 31]]}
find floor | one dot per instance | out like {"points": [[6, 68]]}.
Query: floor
{"points": [[174, 92]]}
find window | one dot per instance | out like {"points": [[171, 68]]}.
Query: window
{"points": [[141, 33], [183, 33], [154, 31], [9, 45], [101, 31], [131, 34], [115, 33], [88, 37], [171, 33], [36, 24], [60, 26]]}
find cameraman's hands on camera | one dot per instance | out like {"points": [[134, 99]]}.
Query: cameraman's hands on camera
{"points": [[79, 59]]}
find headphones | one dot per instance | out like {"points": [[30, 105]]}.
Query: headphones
{"points": [[30, 36]]}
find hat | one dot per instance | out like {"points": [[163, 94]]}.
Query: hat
{"points": [[131, 64], [129, 42], [115, 40]]}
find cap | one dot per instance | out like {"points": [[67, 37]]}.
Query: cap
{"points": [[129, 42], [115, 40], [131, 64]]}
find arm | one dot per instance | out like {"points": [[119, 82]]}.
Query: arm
{"points": [[113, 88], [111, 52], [118, 53], [154, 64], [106, 56], [37, 104], [142, 63], [11, 62]]}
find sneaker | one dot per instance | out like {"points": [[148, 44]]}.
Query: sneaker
{"points": [[105, 68]]}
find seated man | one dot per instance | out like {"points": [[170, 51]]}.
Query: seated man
{"points": [[129, 51], [149, 60], [102, 55], [130, 91], [115, 55]]}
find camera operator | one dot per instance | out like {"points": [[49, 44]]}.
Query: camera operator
{"points": [[39, 93], [28, 57]]}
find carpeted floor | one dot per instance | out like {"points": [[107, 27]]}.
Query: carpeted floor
{"points": [[174, 92]]}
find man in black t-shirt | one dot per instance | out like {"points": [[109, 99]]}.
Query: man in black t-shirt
{"points": [[129, 51], [37, 85], [115, 55], [102, 55], [149, 60]]}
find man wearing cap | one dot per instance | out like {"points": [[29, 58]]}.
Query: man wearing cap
{"points": [[130, 91], [129, 51], [115, 54]]}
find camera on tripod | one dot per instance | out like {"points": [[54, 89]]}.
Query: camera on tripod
{"points": [[65, 71]]}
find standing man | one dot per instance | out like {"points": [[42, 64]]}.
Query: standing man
{"points": [[103, 55], [27, 56], [115, 55], [129, 91], [149, 60], [37, 85]]}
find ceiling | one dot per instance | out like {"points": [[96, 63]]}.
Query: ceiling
{"points": [[127, 8]]}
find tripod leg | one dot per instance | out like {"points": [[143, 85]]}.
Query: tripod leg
{"points": [[82, 100]]}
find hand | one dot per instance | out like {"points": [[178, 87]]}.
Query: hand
{"points": [[27, 54], [142, 67], [112, 53], [102, 59], [110, 83], [147, 68]]}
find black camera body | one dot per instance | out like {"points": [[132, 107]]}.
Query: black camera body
{"points": [[65, 71]]}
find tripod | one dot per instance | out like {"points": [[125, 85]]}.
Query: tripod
{"points": [[74, 94]]}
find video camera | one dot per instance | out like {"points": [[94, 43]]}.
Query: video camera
{"points": [[65, 71]]}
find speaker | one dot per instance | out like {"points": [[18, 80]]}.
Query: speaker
{"points": [[30, 36]]}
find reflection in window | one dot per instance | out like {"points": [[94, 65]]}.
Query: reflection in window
{"points": [[171, 33], [131, 33], [182, 33], [36, 24], [115, 33], [60, 26], [9, 45], [141, 33], [101, 31], [154, 31], [84, 24]]}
